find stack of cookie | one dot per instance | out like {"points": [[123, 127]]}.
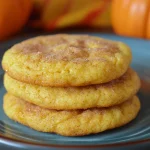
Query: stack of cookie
{"points": [[72, 85]]}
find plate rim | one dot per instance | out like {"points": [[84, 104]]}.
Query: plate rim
{"points": [[14, 142]]}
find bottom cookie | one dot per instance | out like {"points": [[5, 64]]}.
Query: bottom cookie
{"points": [[70, 123]]}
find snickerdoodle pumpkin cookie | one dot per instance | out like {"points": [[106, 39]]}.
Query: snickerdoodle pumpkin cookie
{"points": [[70, 123], [102, 95], [67, 60]]}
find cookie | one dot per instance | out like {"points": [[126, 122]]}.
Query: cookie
{"points": [[102, 95], [67, 60], [70, 123]]}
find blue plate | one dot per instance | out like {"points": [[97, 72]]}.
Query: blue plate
{"points": [[135, 134]]}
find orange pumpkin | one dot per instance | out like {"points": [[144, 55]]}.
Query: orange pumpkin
{"points": [[131, 17], [13, 16], [148, 27]]}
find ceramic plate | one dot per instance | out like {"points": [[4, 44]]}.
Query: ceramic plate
{"points": [[133, 134]]}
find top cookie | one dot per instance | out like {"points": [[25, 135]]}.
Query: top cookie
{"points": [[67, 60]]}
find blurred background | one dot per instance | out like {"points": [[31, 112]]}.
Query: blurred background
{"points": [[123, 17]]}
